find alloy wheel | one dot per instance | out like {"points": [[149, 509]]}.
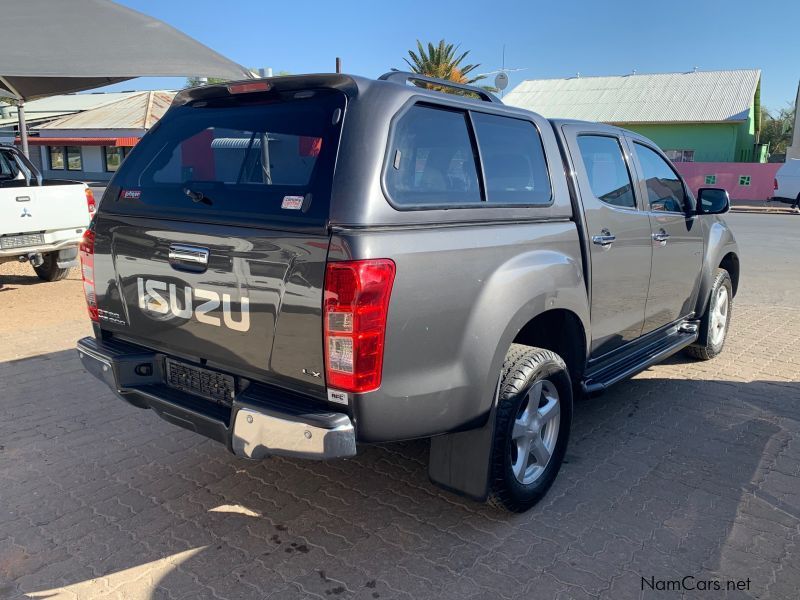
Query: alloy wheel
{"points": [[535, 432]]}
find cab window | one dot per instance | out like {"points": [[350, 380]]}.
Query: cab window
{"points": [[665, 191]]}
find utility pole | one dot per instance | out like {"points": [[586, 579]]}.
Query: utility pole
{"points": [[23, 129], [794, 150]]}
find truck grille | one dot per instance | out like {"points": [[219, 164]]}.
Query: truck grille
{"points": [[211, 385], [9, 242]]}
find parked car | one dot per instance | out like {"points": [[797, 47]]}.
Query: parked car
{"points": [[296, 265], [787, 182], [42, 221]]}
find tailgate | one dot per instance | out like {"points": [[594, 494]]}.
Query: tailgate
{"points": [[211, 239], [45, 208], [254, 308]]}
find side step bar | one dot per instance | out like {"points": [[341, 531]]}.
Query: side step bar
{"points": [[606, 374]]}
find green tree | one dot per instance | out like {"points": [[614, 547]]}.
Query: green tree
{"points": [[776, 128], [196, 81], [442, 62]]}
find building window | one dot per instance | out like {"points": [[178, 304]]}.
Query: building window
{"points": [[113, 157], [744, 180], [680, 155], [56, 157], [74, 160], [711, 179]]}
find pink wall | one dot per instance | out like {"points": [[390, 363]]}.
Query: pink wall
{"points": [[762, 176]]}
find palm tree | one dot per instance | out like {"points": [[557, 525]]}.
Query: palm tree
{"points": [[441, 62]]}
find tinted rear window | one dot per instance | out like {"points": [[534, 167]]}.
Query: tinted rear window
{"points": [[241, 157], [433, 159]]}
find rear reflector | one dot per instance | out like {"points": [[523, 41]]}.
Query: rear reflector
{"points": [[246, 88], [86, 251], [775, 184], [91, 204], [355, 308]]}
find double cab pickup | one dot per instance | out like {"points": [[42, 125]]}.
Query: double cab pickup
{"points": [[299, 265]]}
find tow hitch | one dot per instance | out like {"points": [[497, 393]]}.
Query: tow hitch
{"points": [[35, 258]]}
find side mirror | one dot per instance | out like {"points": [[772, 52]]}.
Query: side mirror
{"points": [[713, 201]]}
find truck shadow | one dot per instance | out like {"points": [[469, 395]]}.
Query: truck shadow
{"points": [[663, 477], [10, 282]]}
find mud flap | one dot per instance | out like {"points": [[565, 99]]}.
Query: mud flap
{"points": [[67, 258], [460, 462]]}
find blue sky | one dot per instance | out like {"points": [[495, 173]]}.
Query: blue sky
{"points": [[549, 39]]}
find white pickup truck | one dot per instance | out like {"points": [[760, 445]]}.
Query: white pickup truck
{"points": [[41, 220]]}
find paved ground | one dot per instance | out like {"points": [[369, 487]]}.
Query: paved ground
{"points": [[690, 469]]}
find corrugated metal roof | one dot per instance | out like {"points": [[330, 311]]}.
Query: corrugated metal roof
{"points": [[695, 97], [73, 102], [35, 118], [137, 111]]}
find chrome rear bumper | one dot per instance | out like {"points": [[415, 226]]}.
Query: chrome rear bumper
{"points": [[259, 422]]}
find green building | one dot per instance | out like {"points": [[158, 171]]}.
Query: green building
{"points": [[700, 116]]}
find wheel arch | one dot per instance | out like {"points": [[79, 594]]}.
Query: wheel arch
{"points": [[561, 331], [730, 262], [722, 251]]}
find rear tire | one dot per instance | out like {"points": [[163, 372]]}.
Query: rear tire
{"points": [[48, 270], [716, 320], [529, 441]]}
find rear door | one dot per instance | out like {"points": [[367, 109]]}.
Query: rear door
{"points": [[619, 236], [677, 238], [211, 240]]}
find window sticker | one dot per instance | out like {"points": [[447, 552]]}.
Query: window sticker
{"points": [[292, 202]]}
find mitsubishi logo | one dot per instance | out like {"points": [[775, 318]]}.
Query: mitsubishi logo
{"points": [[25, 213]]}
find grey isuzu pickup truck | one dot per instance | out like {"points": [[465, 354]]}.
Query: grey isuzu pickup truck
{"points": [[296, 265]]}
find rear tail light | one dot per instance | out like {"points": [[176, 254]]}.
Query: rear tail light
{"points": [[355, 308], [86, 251], [775, 184], [91, 205]]}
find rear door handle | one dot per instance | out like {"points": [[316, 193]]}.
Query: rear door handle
{"points": [[192, 258], [605, 239]]}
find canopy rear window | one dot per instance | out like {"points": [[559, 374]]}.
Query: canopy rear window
{"points": [[262, 157]]}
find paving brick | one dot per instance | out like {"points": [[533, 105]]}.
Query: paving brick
{"points": [[689, 469]]}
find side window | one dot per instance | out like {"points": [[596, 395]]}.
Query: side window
{"points": [[513, 160], [664, 188], [8, 167], [432, 159], [606, 170]]}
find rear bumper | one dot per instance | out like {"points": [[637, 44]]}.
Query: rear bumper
{"points": [[259, 423], [53, 241]]}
